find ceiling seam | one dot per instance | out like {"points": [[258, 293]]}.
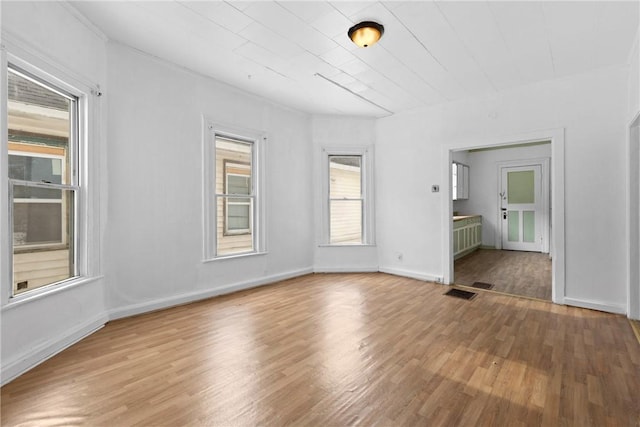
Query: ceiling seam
{"points": [[430, 54], [465, 46], [504, 40], [353, 93]]}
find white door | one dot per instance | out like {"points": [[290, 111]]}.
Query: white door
{"points": [[521, 208]]}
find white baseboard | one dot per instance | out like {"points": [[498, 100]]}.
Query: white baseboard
{"points": [[593, 305], [411, 274], [345, 269], [174, 300], [29, 360]]}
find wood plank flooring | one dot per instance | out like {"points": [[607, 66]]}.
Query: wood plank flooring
{"points": [[518, 273], [337, 350]]}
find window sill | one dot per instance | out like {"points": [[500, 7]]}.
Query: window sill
{"points": [[234, 256], [33, 249], [37, 294]]}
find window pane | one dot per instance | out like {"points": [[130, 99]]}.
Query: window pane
{"points": [[40, 120], [520, 187], [238, 184], [43, 250], [345, 221], [234, 229], [345, 177], [238, 216], [39, 123], [528, 226], [513, 219], [234, 215], [454, 181]]}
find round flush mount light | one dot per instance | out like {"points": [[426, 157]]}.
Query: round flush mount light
{"points": [[366, 33]]}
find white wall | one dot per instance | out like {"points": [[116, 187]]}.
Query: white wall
{"points": [[592, 109], [634, 79], [50, 37], [340, 132], [154, 244], [483, 183]]}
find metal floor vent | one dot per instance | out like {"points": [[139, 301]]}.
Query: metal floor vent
{"points": [[459, 293], [482, 285]]}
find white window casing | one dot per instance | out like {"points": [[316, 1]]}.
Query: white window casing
{"points": [[221, 239], [365, 154]]}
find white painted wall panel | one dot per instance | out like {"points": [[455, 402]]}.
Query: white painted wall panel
{"points": [[33, 330], [634, 79], [154, 243], [591, 107]]}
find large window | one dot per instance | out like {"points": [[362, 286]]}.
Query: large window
{"points": [[347, 198], [42, 124], [232, 195]]}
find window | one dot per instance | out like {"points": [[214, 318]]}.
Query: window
{"points": [[43, 131], [349, 219], [233, 209], [345, 199], [237, 213], [459, 181]]}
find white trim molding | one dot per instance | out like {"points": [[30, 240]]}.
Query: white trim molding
{"points": [[633, 218], [345, 270], [412, 274], [189, 297], [43, 352], [596, 305]]}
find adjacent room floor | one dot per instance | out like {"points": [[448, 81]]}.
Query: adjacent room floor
{"points": [[518, 273], [342, 349]]}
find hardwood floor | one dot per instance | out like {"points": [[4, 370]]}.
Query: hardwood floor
{"points": [[342, 349], [518, 273]]}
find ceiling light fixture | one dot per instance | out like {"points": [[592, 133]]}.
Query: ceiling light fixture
{"points": [[366, 33]]}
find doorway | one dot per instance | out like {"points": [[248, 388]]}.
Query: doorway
{"points": [[508, 256], [521, 208], [523, 203], [551, 217]]}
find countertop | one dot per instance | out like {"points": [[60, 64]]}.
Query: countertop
{"points": [[461, 217]]}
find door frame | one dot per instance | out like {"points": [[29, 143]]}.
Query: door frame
{"points": [[633, 218], [557, 170], [543, 162]]}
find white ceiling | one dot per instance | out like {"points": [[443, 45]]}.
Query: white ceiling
{"points": [[297, 53]]}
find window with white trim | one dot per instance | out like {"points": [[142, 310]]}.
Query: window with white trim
{"points": [[232, 191], [43, 133], [347, 199]]}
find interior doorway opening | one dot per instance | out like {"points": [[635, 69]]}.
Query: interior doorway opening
{"points": [[507, 203], [479, 220]]}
